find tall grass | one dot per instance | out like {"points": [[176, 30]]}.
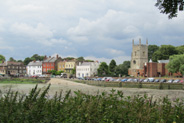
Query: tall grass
{"points": [[83, 108]]}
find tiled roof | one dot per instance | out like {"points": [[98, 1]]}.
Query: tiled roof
{"points": [[52, 59]]}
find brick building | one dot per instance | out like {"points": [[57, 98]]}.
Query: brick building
{"points": [[50, 63]]}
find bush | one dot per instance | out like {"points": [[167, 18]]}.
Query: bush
{"points": [[84, 108]]}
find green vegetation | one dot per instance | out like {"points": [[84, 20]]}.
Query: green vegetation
{"points": [[103, 69], [22, 81], [34, 57], [176, 64], [2, 58], [54, 72], [112, 67], [170, 7], [111, 107]]}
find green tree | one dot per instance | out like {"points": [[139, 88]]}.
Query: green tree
{"points": [[12, 59], [80, 59], [164, 52], [180, 49], [37, 57], [103, 69], [112, 67], [19, 61], [151, 50], [170, 7], [176, 63], [122, 69], [181, 70], [2, 58], [27, 60], [53, 72]]}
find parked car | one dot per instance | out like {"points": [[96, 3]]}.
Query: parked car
{"points": [[80, 78], [163, 80], [151, 79], [118, 80], [109, 79], [181, 81], [176, 81], [141, 80], [157, 80], [130, 80], [99, 79], [170, 81], [146, 80], [104, 78], [135, 80], [124, 80]]}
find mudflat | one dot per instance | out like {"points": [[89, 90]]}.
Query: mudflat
{"points": [[64, 85]]}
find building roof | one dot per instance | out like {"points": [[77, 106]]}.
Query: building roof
{"points": [[35, 63], [52, 59], [163, 61], [11, 63]]}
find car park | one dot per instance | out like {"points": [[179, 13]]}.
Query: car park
{"points": [[141, 80], [181, 81], [176, 81], [118, 80], [135, 80], [104, 78], [163, 80], [130, 80], [151, 79], [99, 79], [170, 81], [124, 80], [157, 80], [146, 80]]}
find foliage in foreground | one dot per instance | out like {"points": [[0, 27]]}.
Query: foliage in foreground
{"points": [[83, 108]]}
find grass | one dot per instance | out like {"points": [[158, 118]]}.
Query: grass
{"points": [[21, 81], [111, 107]]}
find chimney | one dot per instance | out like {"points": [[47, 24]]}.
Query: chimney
{"points": [[49, 56], [57, 56], [45, 57]]}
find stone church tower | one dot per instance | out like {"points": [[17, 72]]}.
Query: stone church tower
{"points": [[138, 59]]}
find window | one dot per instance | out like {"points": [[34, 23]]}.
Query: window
{"points": [[135, 53]]}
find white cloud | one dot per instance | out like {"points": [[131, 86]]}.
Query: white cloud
{"points": [[4, 46]]}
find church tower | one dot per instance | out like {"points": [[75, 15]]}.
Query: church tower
{"points": [[138, 58]]}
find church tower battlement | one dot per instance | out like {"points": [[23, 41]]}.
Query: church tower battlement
{"points": [[138, 58]]}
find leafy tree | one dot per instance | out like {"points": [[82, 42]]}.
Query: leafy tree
{"points": [[27, 60], [180, 49], [164, 52], [151, 50], [69, 58], [19, 61], [181, 70], [112, 67], [170, 7], [80, 59], [103, 69], [59, 72], [176, 63], [37, 57], [2, 58], [53, 72], [12, 59], [122, 69], [74, 70]]}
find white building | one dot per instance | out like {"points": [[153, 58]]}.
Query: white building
{"points": [[34, 68], [87, 69]]}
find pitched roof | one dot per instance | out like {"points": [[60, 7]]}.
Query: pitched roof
{"points": [[52, 59], [35, 63]]}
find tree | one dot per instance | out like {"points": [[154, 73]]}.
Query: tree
{"points": [[80, 59], [2, 58], [112, 67], [176, 63], [164, 52], [27, 60], [180, 49], [19, 61], [103, 69], [151, 50], [122, 69], [170, 7], [37, 57], [181, 70], [12, 59]]}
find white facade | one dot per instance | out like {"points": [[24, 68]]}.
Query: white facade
{"points": [[87, 69], [34, 68]]}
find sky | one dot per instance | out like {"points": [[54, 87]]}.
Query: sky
{"points": [[95, 29]]}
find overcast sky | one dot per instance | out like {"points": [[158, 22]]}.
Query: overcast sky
{"points": [[95, 29]]}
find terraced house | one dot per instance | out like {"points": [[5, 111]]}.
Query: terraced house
{"points": [[70, 66], [50, 64], [13, 68], [61, 65], [34, 68]]}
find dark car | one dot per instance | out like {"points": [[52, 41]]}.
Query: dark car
{"points": [[163, 80], [141, 80]]}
